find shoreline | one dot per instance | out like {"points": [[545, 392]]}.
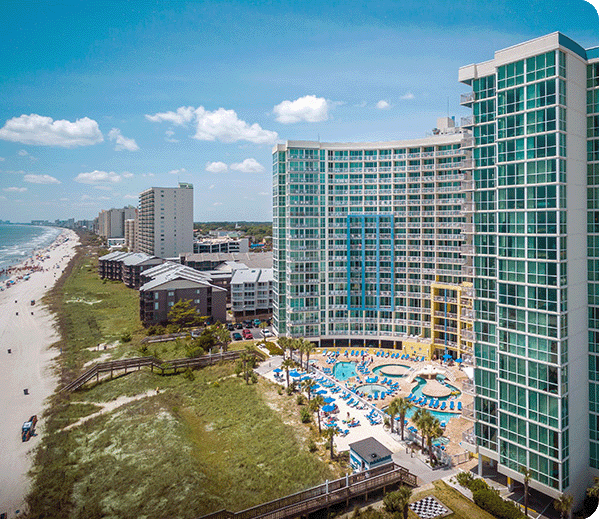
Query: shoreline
{"points": [[26, 372]]}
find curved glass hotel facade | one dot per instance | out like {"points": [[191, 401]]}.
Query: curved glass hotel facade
{"points": [[481, 242]]}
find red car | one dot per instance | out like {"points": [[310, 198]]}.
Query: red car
{"points": [[247, 334]]}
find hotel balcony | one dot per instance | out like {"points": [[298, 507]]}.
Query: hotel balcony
{"points": [[468, 270], [467, 122], [468, 335], [467, 99], [467, 250]]}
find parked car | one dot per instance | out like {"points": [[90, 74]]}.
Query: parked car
{"points": [[267, 333], [238, 326], [237, 336], [257, 322], [247, 334], [230, 327]]}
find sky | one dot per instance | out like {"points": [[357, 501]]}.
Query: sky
{"points": [[101, 100]]}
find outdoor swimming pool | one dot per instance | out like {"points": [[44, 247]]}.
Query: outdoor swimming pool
{"points": [[344, 370], [386, 370], [371, 389]]}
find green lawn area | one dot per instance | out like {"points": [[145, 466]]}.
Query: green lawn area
{"points": [[203, 443], [462, 507]]}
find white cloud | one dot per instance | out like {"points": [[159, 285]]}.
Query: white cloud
{"points": [[309, 108], [43, 131], [148, 175], [181, 117], [2, 159], [131, 197], [15, 189], [103, 188], [169, 136], [177, 171], [96, 177], [407, 96], [122, 142], [383, 105], [222, 125], [217, 203], [216, 167], [22, 153], [212, 186], [248, 166], [41, 179], [127, 174], [264, 194]]}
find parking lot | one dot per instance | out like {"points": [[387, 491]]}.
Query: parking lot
{"points": [[248, 331]]}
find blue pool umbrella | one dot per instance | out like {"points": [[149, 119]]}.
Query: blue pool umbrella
{"points": [[458, 360], [329, 400], [277, 370], [315, 386], [306, 377], [321, 392], [328, 408], [447, 356]]}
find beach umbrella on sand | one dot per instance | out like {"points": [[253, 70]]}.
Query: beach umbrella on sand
{"points": [[329, 400], [277, 370], [328, 408], [458, 360], [447, 356]]}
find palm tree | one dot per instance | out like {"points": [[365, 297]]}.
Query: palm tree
{"points": [[329, 434], [403, 406], [308, 348], [526, 473], [594, 490], [315, 405], [286, 364], [398, 501], [392, 411], [283, 343], [308, 385], [433, 431], [563, 504], [420, 418], [299, 346]]}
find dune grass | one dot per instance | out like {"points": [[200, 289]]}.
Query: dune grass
{"points": [[202, 443]]}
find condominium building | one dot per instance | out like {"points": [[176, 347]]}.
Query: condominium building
{"points": [[251, 292], [536, 234], [408, 243], [166, 221], [111, 223], [224, 245], [131, 234], [371, 244]]}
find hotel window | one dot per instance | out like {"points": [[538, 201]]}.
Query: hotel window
{"points": [[511, 126], [510, 75], [540, 94], [540, 67], [541, 146], [541, 121], [513, 100]]}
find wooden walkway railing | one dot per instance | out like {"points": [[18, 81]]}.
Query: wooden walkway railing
{"points": [[323, 496], [139, 362]]}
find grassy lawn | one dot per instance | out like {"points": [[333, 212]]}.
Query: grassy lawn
{"points": [[462, 507], [203, 443]]}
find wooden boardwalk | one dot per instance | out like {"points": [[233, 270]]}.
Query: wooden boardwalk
{"points": [[324, 496], [129, 365]]}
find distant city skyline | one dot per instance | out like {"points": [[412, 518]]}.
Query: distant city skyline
{"points": [[103, 101]]}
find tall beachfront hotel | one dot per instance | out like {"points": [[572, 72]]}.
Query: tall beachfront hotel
{"points": [[482, 241], [166, 221]]}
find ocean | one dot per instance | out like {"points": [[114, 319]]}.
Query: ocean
{"points": [[17, 242]]}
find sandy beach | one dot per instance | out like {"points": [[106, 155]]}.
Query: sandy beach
{"points": [[27, 380]]}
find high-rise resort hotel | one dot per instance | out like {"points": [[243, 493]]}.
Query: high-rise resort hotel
{"points": [[479, 241]]}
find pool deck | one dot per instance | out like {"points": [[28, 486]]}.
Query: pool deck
{"points": [[456, 425]]}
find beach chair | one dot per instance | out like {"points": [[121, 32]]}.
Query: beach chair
{"points": [[459, 406], [443, 405], [451, 405]]}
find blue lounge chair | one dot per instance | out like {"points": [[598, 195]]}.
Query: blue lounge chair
{"points": [[451, 405], [459, 406], [443, 405]]}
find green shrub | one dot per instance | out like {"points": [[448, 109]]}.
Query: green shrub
{"points": [[312, 447], [464, 479], [301, 399], [126, 337], [305, 415], [478, 484], [189, 375], [254, 378], [491, 502]]}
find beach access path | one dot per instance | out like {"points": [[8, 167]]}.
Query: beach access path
{"points": [[27, 368]]}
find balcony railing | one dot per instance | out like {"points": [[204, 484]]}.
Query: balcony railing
{"points": [[467, 99]]}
